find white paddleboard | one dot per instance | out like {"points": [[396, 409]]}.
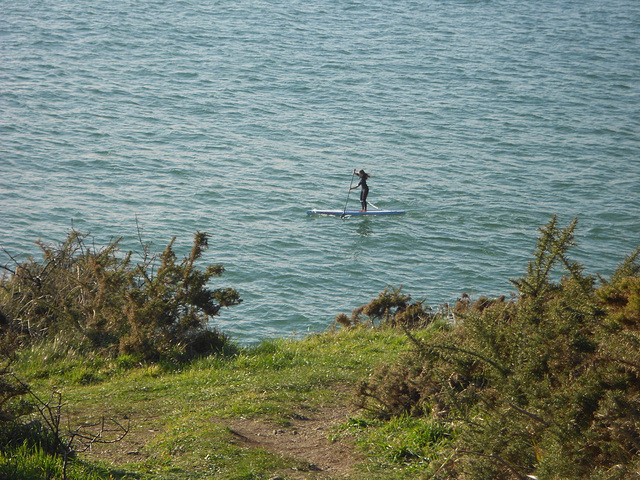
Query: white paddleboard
{"points": [[351, 213]]}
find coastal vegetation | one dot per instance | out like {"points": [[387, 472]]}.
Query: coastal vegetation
{"points": [[546, 385], [93, 300], [110, 371]]}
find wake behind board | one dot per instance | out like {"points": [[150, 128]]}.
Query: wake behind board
{"points": [[351, 213]]}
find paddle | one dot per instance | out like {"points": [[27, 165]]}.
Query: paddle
{"points": [[344, 212]]}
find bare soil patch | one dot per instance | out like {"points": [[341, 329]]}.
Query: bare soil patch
{"points": [[305, 438], [130, 448]]}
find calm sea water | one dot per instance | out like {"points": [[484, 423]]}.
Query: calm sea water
{"points": [[481, 118]]}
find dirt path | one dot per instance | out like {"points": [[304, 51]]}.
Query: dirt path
{"points": [[306, 439]]}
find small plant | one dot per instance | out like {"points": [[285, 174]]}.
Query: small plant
{"points": [[10, 388]]}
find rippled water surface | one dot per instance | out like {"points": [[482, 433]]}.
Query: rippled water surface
{"points": [[482, 119]]}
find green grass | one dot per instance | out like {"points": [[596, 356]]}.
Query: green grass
{"points": [[182, 405], [29, 463], [404, 444]]}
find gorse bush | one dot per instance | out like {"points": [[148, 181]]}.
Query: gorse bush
{"points": [[392, 308], [547, 385], [92, 299]]}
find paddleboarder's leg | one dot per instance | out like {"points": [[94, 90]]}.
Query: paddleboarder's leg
{"points": [[363, 198]]}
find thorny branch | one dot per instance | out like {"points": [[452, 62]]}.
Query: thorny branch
{"points": [[87, 436], [102, 432]]}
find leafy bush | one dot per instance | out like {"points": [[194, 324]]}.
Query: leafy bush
{"points": [[95, 300], [548, 385], [392, 308]]}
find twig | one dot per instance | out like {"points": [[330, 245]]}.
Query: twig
{"points": [[445, 462], [420, 345], [529, 414], [499, 459]]}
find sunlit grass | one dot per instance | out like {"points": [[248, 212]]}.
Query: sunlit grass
{"points": [[272, 382]]}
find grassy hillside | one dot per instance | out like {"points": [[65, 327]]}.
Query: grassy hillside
{"points": [[544, 385], [244, 416]]}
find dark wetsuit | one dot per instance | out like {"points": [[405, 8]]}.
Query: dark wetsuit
{"points": [[363, 192]]}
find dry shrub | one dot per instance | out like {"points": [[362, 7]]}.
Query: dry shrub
{"points": [[97, 300]]}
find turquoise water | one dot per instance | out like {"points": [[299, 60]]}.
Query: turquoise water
{"points": [[482, 119]]}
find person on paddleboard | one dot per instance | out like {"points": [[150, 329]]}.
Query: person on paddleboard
{"points": [[364, 190]]}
